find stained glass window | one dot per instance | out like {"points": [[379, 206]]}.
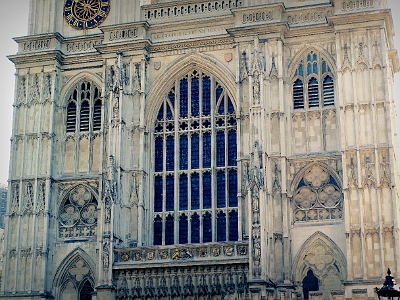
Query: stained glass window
{"points": [[318, 90], [183, 229], [195, 163]]}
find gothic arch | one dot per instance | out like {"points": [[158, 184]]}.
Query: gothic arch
{"points": [[71, 84], [180, 67], [77, 268], [299, 55], [302, 172], [323, 256], [71, 188]]}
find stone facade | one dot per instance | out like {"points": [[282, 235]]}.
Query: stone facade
{"points": [[196, 149]]}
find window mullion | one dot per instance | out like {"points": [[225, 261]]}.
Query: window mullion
{"points": [[176, 179], [213, 162]]}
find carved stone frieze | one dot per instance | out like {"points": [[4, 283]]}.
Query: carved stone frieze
{"points": [[190, 282], [34, 93]]}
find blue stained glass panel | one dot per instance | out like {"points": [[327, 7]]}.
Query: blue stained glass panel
{"points": [[315, 68], [309, 69], [183, 108], [183, 192], [169, 113], [158, 194], [195, 234], [332, 181], [221, 227], [170, 157], [315, 56], [169, 230], [323, 67], [158, 155], [195, 97], [233, 226], [157, 230], [207, 190], [195, 191], [232, 148], [301, 70], [206, 96], [233, 188], [195, 151], [171, 98], [183, 152], [220, 149], [207, 228], [309, 57], [231, 109], [183, 229], [221, 201], [206, 150], [301, 183], [160, 115], [169, 193]]}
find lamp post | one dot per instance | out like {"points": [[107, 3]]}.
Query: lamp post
{"points": [[389, 290]]}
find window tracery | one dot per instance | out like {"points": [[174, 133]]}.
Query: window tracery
{"points": [[78, 214], [317, 197], [313, 83], [84, 108], [195, 170]]}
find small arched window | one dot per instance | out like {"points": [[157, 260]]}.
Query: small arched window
{"points": [[318, 91], [84, 108], [195, 169]]}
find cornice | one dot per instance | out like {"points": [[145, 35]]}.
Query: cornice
{"points": [[37, 57]]}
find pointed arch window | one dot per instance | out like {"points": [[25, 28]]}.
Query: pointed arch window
{"points": [[318, 88], [195, 169], [84, 108]]}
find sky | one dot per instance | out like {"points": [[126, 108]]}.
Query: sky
{"points": [[14, 23]]}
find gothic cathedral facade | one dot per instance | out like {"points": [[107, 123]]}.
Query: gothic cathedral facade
{"points": [[203, 149]]}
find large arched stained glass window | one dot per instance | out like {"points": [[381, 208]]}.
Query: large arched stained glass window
{"points": [[195, 169]]}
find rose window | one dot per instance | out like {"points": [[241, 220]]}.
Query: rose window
{"points": [[78, 214], [317, 197]]}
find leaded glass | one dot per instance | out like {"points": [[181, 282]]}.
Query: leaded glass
{"points": [[191, 160], [183, 152], [195, 192], [195, 228], [183, 229], [207, 190], [220, 149], [221, 226], [207, 150], [233, 226], [183, 103], [158, 194], [169, 230], [183, 192], [206, 95], [158, 155], [221, 202], [233, 188], [195, 97], [207, 228], [232, 148], [195, 151], [169, 193], [157, 230], [170, 158]]}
